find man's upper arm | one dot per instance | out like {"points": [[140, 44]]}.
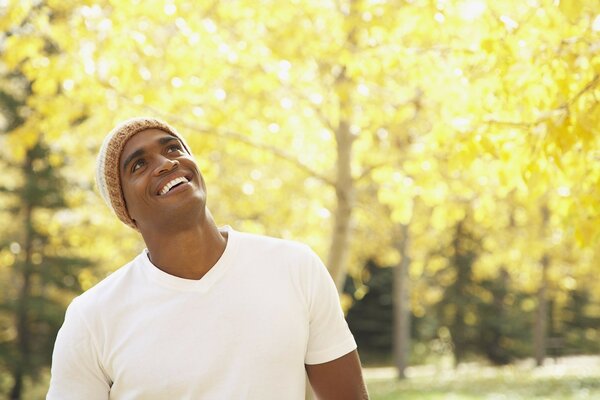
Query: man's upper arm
{"points": [[338, 379], [329, 337], [76, 371], [331, 360]]}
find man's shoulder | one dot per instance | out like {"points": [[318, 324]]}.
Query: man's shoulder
{"points": [[110, 288], [272, 254], [261, 243]]}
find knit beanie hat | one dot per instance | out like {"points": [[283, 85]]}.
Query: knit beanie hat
{"points": [[108, 177]]}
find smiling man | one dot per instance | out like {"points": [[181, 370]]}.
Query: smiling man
{"points": [[203, 312]]}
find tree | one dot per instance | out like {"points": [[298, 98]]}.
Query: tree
{"points": [[389, 121], [43, 270]]}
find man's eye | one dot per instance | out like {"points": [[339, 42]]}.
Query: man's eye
{"points": [[173, 148], [137, 165]]}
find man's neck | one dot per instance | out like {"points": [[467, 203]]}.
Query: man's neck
{"points": [[188, 253]]}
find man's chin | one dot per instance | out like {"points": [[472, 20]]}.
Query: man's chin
{"points": [[176, 217]]}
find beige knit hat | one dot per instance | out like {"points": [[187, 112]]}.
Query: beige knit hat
{"points": [[108, 178]]}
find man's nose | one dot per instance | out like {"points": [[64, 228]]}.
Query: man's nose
{"points": [[165, 164]]}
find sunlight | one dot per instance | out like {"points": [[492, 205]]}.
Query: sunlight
{"points": [[470, 10]]}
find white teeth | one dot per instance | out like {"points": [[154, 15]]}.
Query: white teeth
{"points": [[172, 183]]}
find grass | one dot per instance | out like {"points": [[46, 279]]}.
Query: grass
{"points": [[571, 378]]}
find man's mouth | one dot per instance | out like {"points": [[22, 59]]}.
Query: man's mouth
{"points": [[171, 184]]}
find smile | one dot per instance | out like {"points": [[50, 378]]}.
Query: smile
{"points": [[171, 184]]}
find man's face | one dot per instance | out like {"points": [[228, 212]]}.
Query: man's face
{"points": [[161, 181]]}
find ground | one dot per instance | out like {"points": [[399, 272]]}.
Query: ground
{"points": [[567, 378]]}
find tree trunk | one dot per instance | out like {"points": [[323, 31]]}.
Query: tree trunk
{"points": [[540, 327], [401, 303], [344, 193], [462, 261], [344, 183], [541, 316], [15, 392], [337, 260], [22, 309], [22, 320], [492, 341]]}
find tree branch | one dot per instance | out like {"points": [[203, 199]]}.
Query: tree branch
{"points": [[240, 138], [589, 86], [229, 135], [564, 107], [320, 115]]}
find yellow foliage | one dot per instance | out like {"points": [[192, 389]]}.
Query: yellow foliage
{"points": [[86, 279], [22, 139], [571, 9], [14, 14], [454, 116], [19, 48], [7, 259], [403, 215]]}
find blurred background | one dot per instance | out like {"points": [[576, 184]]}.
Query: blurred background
{"points": [[442, 157]]}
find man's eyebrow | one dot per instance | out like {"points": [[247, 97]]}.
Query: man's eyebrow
{"points": [[167, 139], [132, 156]]}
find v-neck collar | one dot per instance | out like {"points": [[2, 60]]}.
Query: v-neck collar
{"points": [[202, 285]]}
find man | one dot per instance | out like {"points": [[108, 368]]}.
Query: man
{"points": [[203, 312]]}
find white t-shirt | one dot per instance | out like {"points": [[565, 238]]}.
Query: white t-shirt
{"points": [[243, 331]]}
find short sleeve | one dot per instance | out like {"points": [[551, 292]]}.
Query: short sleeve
{"points": [[76, 372], [329, 335]]}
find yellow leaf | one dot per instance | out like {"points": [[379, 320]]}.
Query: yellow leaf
{"points": [[488, 45], [570, 8], [19, 48], [403, 214], [45, 86], [14, 15]]}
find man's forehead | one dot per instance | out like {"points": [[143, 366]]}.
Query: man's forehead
{"points": [[146, 138], [149, 136], [139, 143]]}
